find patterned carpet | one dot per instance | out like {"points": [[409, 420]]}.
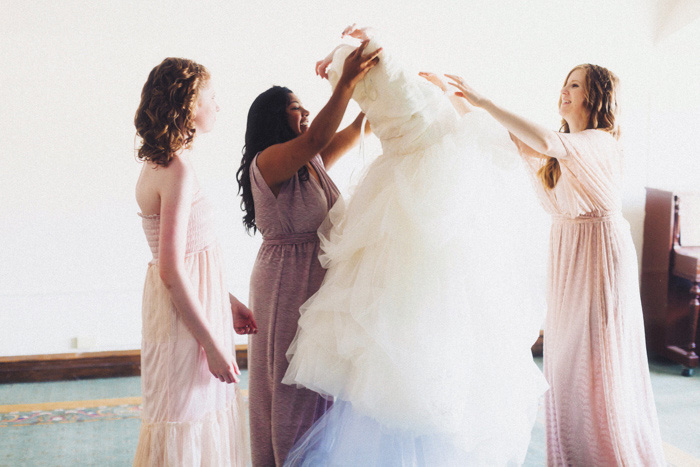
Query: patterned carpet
{"points": [[75, 415], [40, 426]]}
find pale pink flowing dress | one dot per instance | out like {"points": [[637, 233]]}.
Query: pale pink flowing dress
{"points": [[189, 417], [600, 409]]}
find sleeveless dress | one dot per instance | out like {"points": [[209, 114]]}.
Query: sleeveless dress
{"points": [[286, 273], [600, 408], [189, 417], [422, 328]]}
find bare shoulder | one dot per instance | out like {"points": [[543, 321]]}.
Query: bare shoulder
{"points": [[178, 173], [157, 182]]}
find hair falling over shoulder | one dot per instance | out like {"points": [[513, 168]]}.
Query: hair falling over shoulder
{"points": [[267, 125], [601, 101], [165, 118]]}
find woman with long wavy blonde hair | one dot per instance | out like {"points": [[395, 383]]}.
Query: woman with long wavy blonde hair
{"points": [[600, 407], [191, 414]]}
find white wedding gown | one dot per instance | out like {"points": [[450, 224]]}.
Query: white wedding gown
{"points": [[422, 329]]}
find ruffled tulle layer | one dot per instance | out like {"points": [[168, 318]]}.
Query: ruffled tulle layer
{"points": [[432, 297], [342, 437], [219, 439]]}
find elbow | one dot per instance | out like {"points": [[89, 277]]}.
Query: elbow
{"points": [[317, 143], [546, 148]]}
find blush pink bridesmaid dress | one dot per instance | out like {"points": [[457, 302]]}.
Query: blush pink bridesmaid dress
{"points": [[600, 407]]}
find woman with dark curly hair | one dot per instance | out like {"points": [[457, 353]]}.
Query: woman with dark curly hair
{"points": [[286, 195], [600, 408], [191, 414]]}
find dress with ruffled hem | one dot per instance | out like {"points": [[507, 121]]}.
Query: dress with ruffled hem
{"points": [[189, 417]]}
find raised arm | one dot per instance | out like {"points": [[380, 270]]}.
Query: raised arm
{"points": [[343, 141], [280, 162], [539, 138], [460, 105], [176, 188]]}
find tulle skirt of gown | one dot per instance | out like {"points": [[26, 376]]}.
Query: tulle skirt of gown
{"points": [[422, 328]]}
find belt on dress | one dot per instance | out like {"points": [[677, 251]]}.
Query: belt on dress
{"points": [[587, 219], [291, 239]]}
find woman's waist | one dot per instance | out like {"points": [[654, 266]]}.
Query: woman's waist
{"points": [[292, 238], [592, 217], [192, 250]]}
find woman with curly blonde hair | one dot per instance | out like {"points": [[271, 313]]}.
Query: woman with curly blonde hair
{"points": [[600, 407], [191, 414]]}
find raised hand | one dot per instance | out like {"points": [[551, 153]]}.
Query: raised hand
{"points": [[357, 33], [357, 65], [322, 65], [466, 91], [222, 364], [435, 79]]}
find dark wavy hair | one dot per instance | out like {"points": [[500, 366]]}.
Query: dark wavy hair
{"points": [[267, 125], [165, 117], [601, 101]]}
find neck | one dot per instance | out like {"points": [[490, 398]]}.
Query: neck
{"points": [[577, 124]]}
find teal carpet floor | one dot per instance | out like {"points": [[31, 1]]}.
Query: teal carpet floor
{"points": [[95, 422]]}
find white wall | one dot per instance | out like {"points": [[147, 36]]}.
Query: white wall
{"points": [[73, 256]]}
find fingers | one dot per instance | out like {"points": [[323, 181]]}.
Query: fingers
{"points": [[322, 67], [225, 376], [374, 55], [348, 30], [230, 374], [458, 81], [247, 326], [253, 325], [361, 49]]}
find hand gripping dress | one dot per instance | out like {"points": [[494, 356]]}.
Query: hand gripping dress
{"points": [[189, 417], [422, 328], [600, 407]]}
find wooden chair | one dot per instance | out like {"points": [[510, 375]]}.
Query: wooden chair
{"points": [[670, 285]]}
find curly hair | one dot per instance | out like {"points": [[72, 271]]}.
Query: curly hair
{"points": [[267, 125], [165, 117], [601, 89]]}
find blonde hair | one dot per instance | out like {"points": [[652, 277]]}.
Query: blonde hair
{"points": [[165, 117], [601, 102]]}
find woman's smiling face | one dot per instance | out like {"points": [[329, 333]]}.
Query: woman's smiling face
{"points": [[297, 115], [572, 100]]}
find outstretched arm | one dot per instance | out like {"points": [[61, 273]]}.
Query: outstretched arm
{"points": [[279, 162], [343, 141], [539, 138], [461, 105]]}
